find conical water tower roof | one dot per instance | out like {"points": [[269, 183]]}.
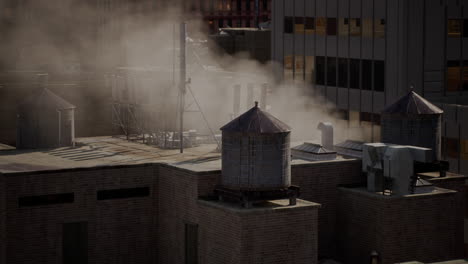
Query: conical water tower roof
{"points": [[256, 121], [412, 104], [44, 98]]}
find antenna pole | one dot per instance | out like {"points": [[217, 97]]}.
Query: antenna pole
{"points": [[182, 88]]}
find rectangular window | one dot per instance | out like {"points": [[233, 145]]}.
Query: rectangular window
{"points": [[48, 199], [343, 114], [75, 243], [379, 28], [123, 193], [309, 69], [454, 28], [343, 26], [331, 26], [299, 25], [288, 25], [355, 27], [342, 72], [309, 25], [299, 68], [453, 76], [450, 147], [331, 71], [239, 6], [465, 28], [465, 75], [379, 76], [321, 25], [288, 68], [464, 149], [247, 5], [365, 117], [354, 73], [191, 243], [366, 75], [320, 70], [367, 28]]}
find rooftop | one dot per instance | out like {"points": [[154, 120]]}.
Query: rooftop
{"points": [[113, 151], [412, 103]]}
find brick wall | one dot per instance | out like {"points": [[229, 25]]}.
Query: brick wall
{"points": [[422, 227], [319, 182], [119, 231], [178, 195], [233, 235]]}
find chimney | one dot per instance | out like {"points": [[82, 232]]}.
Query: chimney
{"points": [[327, 134]]}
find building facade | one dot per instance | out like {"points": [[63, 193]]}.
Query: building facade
{"points": [[362, 55]]}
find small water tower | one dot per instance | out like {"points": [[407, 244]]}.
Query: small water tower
{"points": [[414, 121], [45, 120], [256, 158]]}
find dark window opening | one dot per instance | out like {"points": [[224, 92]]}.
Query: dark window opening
{"points": [[331, 26], [247, 5], [366, 74], [247, 24], [220, 23], [450, 146], [75, 243], [310, 23], [343, 114], [229, 22], [331, 71], [239, 6], [265, 5], [191, 244], [342, 72], [365, 117], [320, 70], [379, 76], [346, 21], [123, 193], [354, 73], [46, 199]]}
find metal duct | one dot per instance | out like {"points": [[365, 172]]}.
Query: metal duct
{"points": [[327, 134]]}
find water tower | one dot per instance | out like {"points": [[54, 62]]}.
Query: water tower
{"points": [[414, 121], [256, 158], [45, 120]]}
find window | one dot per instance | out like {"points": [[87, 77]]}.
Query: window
{"points": [[309, 25], [75, 243], [220, 23], [309, 68], [331, 26], [299, 68], [321, 25], [288, 25], [465, 28], [299, 25], [379, 28], [465, 75], [454, 28], [191, 243], [450, 147], [247, 5], [320, 70], [379, 76], [464, 149], [265, 5], [342, 72], [365, 117], [367, 28], [354, 73], [366, 75], [288, 68], [247, 24], [355, 27], [239, 6], [453, 76], [343, 114], [343, 26], [123, 193], [27, 201], [331, 71]]}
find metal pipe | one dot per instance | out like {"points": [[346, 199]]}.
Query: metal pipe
{"points": [[182, 88]]}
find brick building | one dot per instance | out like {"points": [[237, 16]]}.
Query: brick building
{"points": [[113, 201]]}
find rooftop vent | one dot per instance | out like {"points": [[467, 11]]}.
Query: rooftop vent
{"points": [[327, 134], [312, 152], [350, 148]]}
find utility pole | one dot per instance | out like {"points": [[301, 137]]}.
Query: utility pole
{"points": [[182, 84]]}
